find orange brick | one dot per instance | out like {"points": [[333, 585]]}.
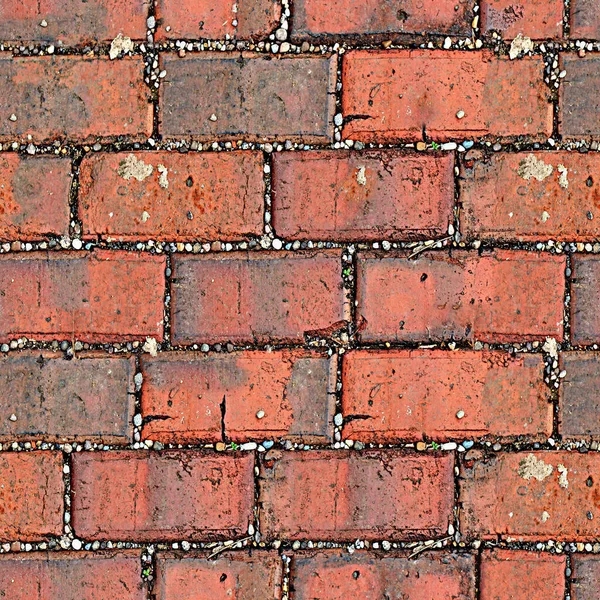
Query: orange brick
{"points": [[536, 19]]}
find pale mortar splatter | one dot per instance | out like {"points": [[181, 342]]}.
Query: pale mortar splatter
{"points": [[531, 467], [530, 167], [132, 168]]}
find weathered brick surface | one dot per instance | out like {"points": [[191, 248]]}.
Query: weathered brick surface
{"points": [[255, 575], [585, 579], [585, 293], [250, 297], [31, 498], [162, 195], [45, 396], [322, 19], [362, 195], [72, 21], [530, 495], [496, 297], [34, 197], [173, 495], [73, 98], [194, 19], [406, 94], [241, 396], [530, 196], [268, 97], [411, 394], [536, 19], [338, 575], [519, 574], [72, 576], [585, 19], [91, 297], [343, 496]]}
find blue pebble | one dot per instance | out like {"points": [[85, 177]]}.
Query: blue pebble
{"points": [[267, 444], [467, 144], [467, 444]]}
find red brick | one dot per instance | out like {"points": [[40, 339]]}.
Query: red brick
{"points": [[72, 21], [31, 498], [34, 197], [94, 297], [252, 96], [188, 397], [73, 98], [585, 19], [141, 496], [256, 297], [384, 19], [500, 296], [201, 196], [367, 195], [341, 496], [72, 576], [530, 496], [406, 94], [415, 394], [585, 578], [536, 19], [194, 19], [88, 398], [585, 293], [254, 575], [338, 575], [530, 196], [508, 574]]}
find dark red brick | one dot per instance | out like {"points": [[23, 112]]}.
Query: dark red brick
{"points": [[497, 297], [341, 496], [254, 575], [95, 297], [585, 578], [213, 95], [188, 397], [535, 19], [519, 574], [73, 98], [415, 394], [31, 495], [585, 294], [88, 398], [127, 196], [34, 197], [359, 196], [404, 94], [256, 297], [530, 496], [585, 19], [72, 576], [338, 575], [132, 495]]}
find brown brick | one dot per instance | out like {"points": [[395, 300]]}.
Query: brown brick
{"points": [[585, 293], [254, 575], [402, 94], [530, 496], [73, 98], [530, 196], [338, 575], [72, 576], [34, 197], [127, 196], [267, 97], [416, 394], [518, 574], [95, 297], [256, 297], [585, 19], [341, 496], [496, 297], [194, 19], [585, 578], [359, 196], [380, 19], [89, 398], [536, 19], [132, 495], [188, 397], [72, 21], [31, 495]]}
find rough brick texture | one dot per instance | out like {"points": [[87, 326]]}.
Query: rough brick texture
{"points": [[161, 195], [370, 195], [130, 495], [585, 292], [536, 19], [415, 394], [497, 297], [409, 94], [586, 577], [585, 19]]}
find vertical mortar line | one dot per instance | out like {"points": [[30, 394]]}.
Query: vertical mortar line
{"points": [[338, 430], [149, 580], [286, 577], [458, 535], [152, 71], [75, 224], [287, 6], [567, 299], [267, 168], [568, 575], [167, 300], [67, 481], [478, 573], [256, 508], [457, 204], [567, 19], [476, 13], [137, 429], [549, 59]]}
